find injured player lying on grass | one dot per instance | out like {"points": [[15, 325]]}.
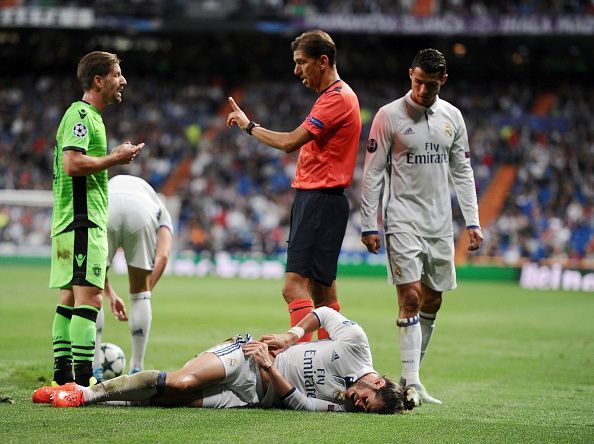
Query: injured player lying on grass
{"points": [[276, 371]]}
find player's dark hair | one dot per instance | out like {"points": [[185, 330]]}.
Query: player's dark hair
{"points": [[394, 396], [431, 61], [315, 44], [96, 63]]}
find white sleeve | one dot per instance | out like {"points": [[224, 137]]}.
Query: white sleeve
{"points": [[340, 328], [296, 400], [462, 175], [164, 216], [374, 171]]}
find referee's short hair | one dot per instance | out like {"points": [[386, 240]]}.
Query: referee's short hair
{"points": [[316, 43]]}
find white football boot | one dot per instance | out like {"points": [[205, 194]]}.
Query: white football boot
{"points": [[426, 398]]}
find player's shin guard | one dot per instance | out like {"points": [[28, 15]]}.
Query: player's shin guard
{"points": [[62, 345], [83, 333], [410, 348], [427, 321], [140, 326], [138, 387], [298, 309], [322, 333]]}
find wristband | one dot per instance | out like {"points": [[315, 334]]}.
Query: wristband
{"points": [[297, 331], [473, 226], [268, 367], [250, 126]]}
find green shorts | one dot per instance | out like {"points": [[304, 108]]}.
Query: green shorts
{"points": [[79, 257]]}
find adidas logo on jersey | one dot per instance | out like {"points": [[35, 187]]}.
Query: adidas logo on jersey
{"points": [[408, 132], [334, 356]]}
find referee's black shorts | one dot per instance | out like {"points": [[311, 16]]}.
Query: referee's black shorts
{"points": [[318, 222]]}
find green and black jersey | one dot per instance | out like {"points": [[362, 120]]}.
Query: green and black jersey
{"points": [[79, 201]]}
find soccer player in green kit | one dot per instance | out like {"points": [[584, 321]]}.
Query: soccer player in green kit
{"points": [[79, 219]]}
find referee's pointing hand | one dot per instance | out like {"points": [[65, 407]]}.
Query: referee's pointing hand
{"points": [[237, 116]]}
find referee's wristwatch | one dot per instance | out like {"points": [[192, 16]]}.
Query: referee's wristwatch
{"points": [[250, 126]]}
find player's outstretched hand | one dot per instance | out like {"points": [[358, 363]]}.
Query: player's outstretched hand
{"points": [[126, 152], [259, 351], [236, 116]]}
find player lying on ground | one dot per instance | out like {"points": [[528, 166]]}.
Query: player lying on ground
{"points": [[329, 375]]}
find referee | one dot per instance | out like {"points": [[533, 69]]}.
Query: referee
{"points": [[328, 139]]}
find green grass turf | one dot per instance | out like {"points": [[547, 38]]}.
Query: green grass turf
{"points": [[510, 365]]}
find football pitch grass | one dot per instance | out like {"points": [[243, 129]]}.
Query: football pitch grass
{"points": [[510, 365]]}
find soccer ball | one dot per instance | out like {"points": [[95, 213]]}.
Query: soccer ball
{"points": [[113, 360]]}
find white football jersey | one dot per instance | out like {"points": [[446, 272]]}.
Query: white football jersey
{"points": [[321, 371], [134, 204], [410, 154]]}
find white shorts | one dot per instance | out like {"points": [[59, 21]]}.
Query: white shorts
{"points": [[135, 230], [414, 258], [240, 386], [219, 397]]}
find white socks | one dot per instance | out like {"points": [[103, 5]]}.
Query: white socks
{"points": [[136, 387], [99, 327], [427, 321], [139, 322], [409, 331]]}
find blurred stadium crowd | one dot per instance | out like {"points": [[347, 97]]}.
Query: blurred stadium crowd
{"points": [[235, 193], [292, 8]]}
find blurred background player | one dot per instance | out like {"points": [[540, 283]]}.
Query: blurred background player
{"points": [[421, 141], [141, 225], [79, 218], [328, 140]]}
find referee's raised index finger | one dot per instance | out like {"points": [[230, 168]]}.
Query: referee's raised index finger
{"points": [[233, 104]]}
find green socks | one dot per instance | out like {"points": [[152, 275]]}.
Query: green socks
{"points": [[83, 334], [62, 345]]}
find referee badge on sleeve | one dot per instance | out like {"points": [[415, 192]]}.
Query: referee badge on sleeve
{"points": [[372, 145]]}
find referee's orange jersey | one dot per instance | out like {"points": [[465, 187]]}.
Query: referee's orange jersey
{"points": [[328, 161]]}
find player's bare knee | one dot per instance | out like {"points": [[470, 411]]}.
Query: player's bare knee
{"points": [[179, 381], [409, 309], [191, 382], [431, 305], [286, 295], [409, 302]]}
